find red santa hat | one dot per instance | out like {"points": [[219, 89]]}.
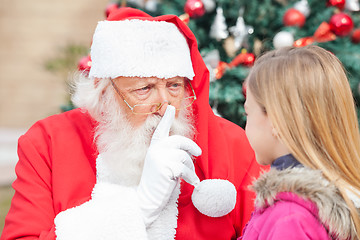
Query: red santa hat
{"points": [[131, 47]]}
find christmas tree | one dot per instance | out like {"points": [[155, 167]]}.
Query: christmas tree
{"points": [[231, 34]]}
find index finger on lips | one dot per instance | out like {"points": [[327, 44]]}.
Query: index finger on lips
{"points": [[163, 129]]}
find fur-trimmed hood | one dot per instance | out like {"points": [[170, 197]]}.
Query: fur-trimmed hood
{"points": [[310, 185]]}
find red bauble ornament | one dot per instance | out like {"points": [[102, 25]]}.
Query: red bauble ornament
{"points": [[109, 8], [341, 24], [249, 60], [84, 64], [246, 59], [340, 4], [355, 38], [195, 8], [293, 17]]}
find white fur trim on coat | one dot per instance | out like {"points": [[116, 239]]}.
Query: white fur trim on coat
{"points": [[112, 213], [164, 227], [137, 48]]}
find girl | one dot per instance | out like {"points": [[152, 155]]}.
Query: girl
{"points": [[301, 120]]}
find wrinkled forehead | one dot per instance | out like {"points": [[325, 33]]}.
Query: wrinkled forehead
{"points": [[148, 80]]}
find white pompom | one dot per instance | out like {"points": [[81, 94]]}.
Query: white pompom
{"points": [[283, 39], [214, 197]]}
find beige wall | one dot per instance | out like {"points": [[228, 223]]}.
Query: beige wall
{"points": [[31, 32]]}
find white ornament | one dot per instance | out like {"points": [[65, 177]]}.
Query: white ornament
{"points": [[303, 7], [211, 60], [283, 39], [209, 5], [240, 31], [218, 29], [151, 5], [352, 5]]}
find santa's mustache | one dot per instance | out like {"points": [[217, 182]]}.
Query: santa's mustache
{"points": [[124, 147]]}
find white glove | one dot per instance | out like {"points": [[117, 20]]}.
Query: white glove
{"points": [[168, 158]]}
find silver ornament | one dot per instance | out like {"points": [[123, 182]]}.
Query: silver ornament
{"points": [[211, 60], [240, 31], [352, 5], [303, 7], [218, 29]]}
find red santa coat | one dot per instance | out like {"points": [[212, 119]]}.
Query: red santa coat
{"points": [[56, 169]]}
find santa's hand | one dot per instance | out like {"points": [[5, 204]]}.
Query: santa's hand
{"points": [[168, 158]]}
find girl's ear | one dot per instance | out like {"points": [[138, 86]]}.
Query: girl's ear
{"points": [[274, 132]]}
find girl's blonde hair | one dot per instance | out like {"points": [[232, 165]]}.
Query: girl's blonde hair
{"points": [[306, 94]]}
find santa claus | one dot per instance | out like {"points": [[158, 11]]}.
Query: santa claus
{"points": [[123, 165]]}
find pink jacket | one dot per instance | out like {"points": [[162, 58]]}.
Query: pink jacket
{"points": [[291, 217], [298, 203]]}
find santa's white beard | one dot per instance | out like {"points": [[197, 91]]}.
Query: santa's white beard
{"points": [[123, 148]]}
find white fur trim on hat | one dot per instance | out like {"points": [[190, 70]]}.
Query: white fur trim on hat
{"points": [[137, 48]]}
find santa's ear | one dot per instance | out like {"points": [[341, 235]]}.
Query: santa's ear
{"points": [[96, 82]]}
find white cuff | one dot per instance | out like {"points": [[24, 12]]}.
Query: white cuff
{"points": [[112, 213]]}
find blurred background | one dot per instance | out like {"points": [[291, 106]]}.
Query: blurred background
{"points": [[43, 42]]}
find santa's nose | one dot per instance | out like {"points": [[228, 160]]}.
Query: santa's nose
{"points": [[162, 109]]}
